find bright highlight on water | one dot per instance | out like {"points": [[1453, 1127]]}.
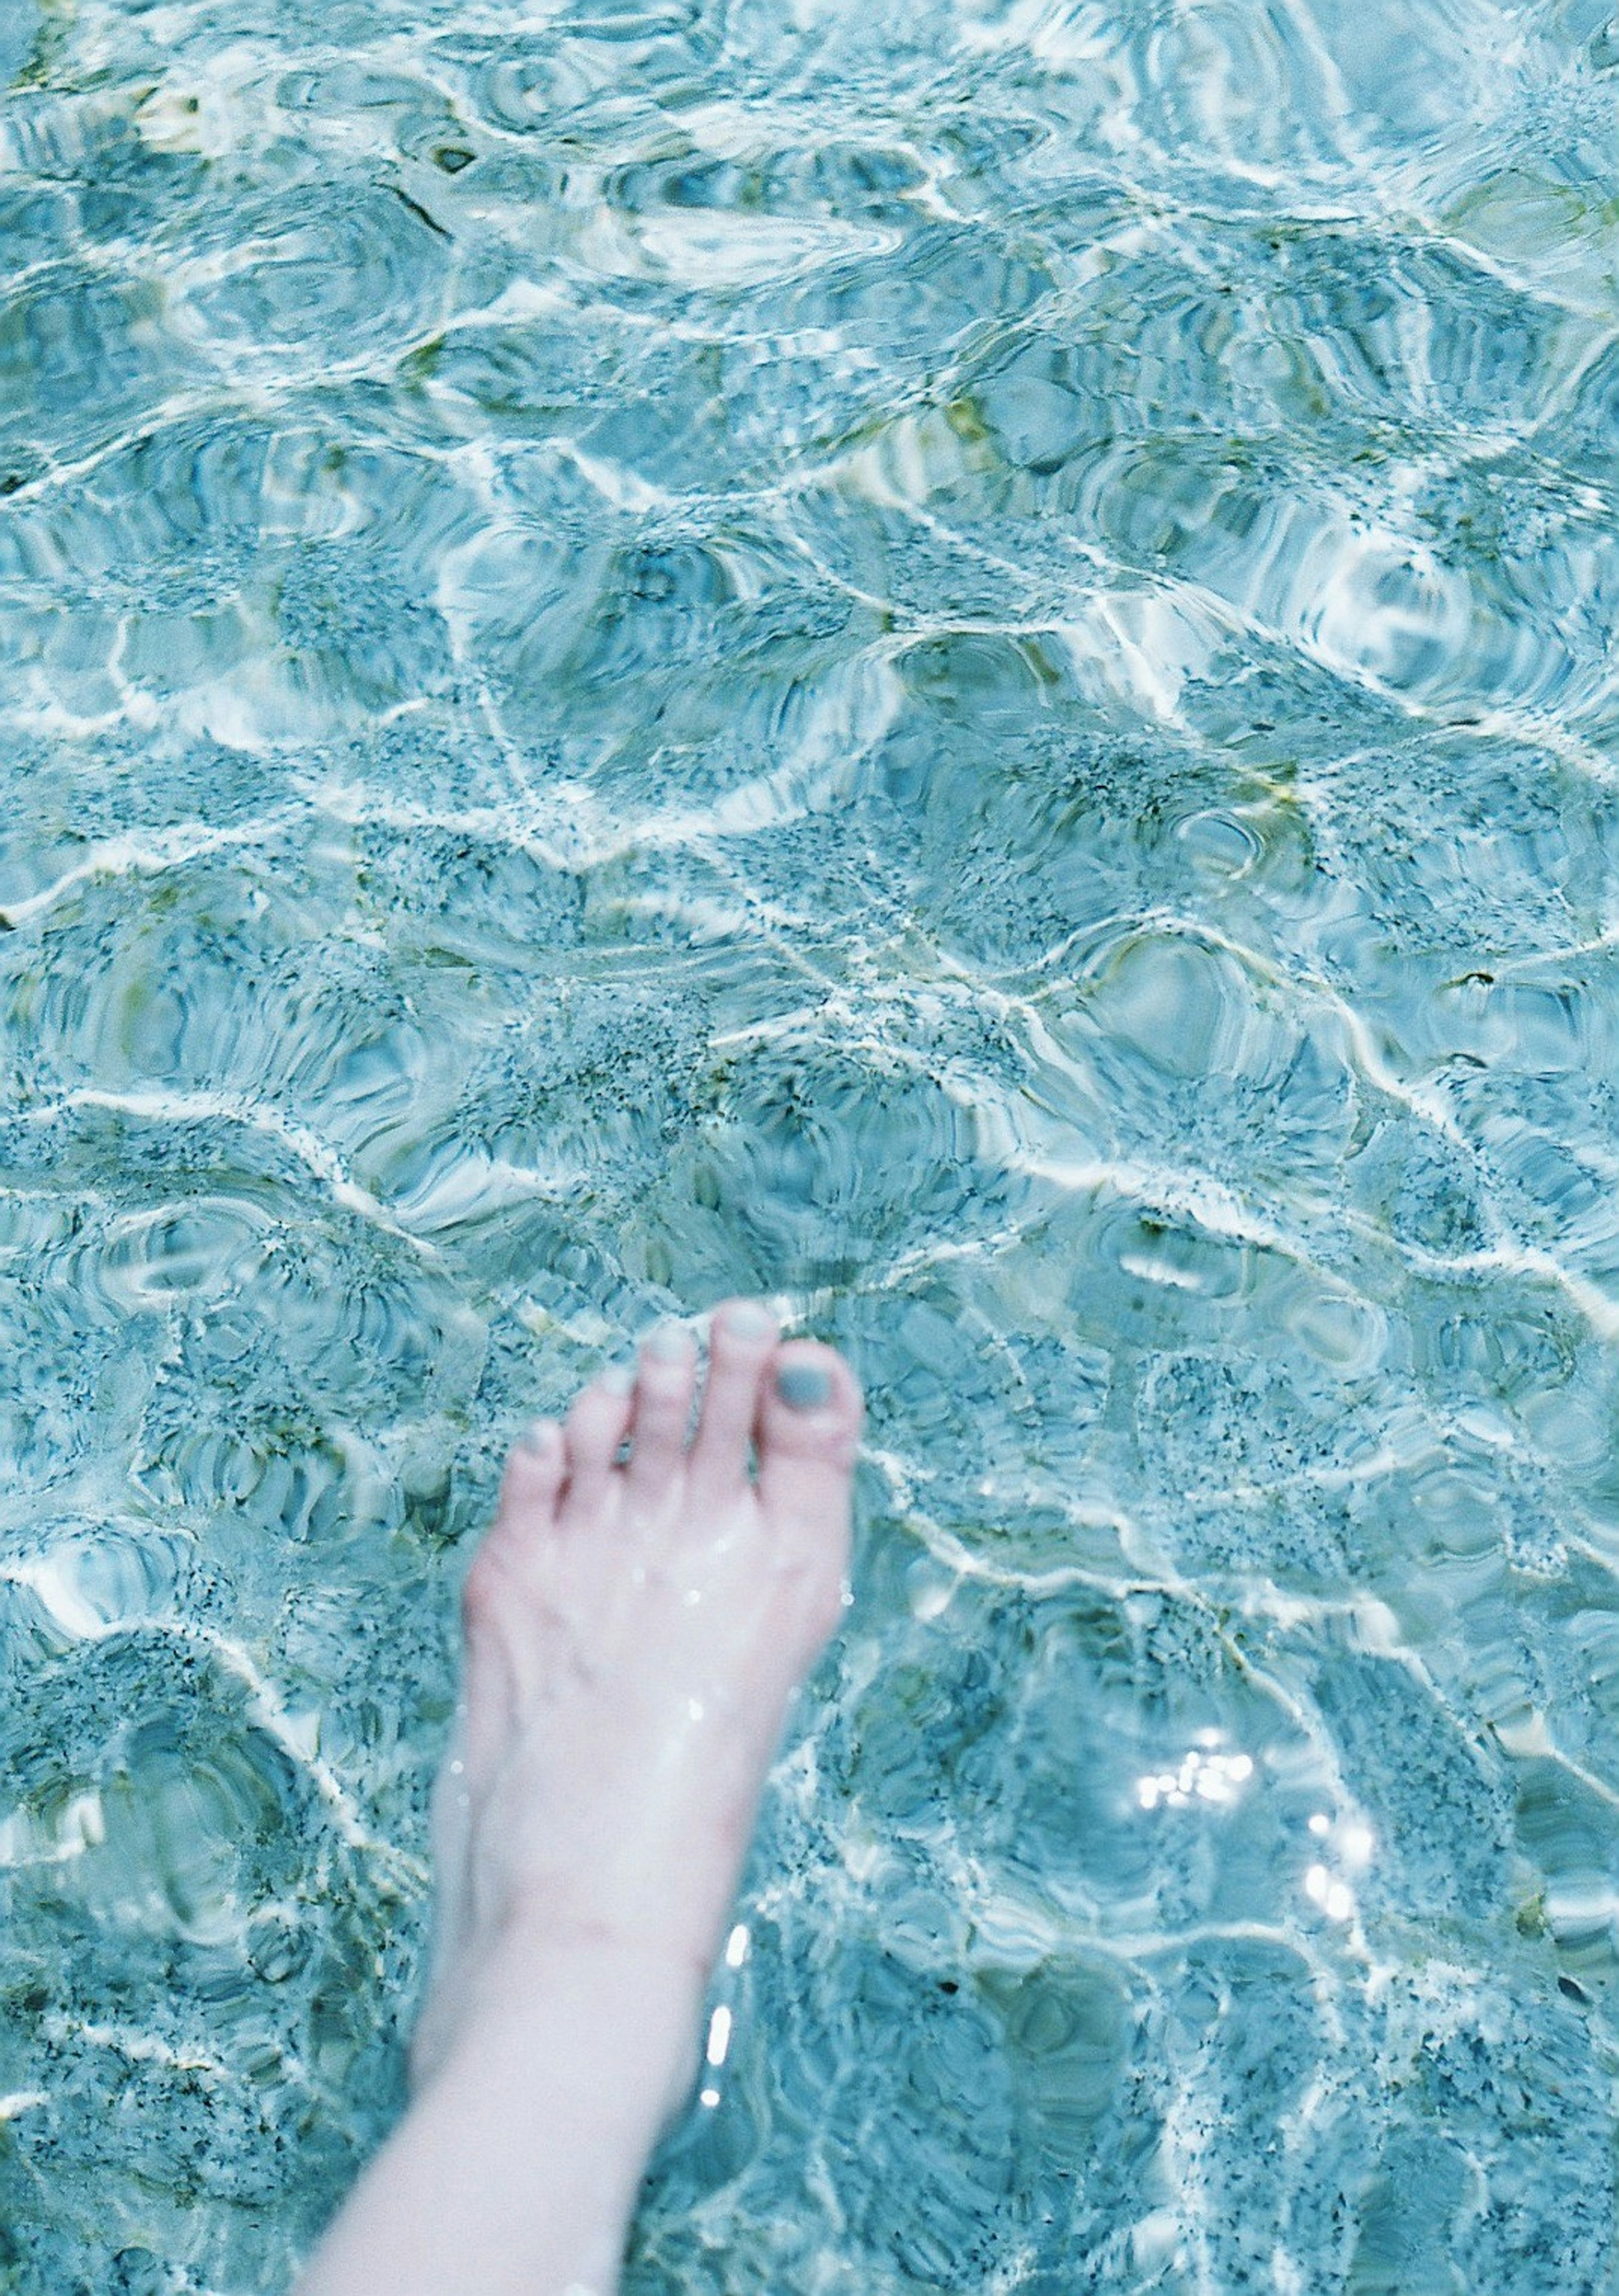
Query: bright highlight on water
{"points": [[952, 664]]}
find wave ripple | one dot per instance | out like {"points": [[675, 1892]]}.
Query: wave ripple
{"points": [[957, 663]]}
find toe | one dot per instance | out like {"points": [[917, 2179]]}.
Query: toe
{"points": [[664, 1379], [742, 1341], [596, 1426], [509, 1555], [808, 1436], [534, 1471]]}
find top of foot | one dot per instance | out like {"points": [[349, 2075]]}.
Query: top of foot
{"points": [[661, 1573]]}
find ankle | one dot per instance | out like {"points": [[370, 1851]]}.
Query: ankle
{"points": [[587, 2007]]}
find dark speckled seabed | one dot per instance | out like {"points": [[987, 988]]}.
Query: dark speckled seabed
{"points": [[956, 663]]}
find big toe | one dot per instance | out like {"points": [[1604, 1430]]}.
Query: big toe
{"points": [[808, 1435]]}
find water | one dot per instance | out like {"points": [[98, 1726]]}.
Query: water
{"points": [[954, 663]]}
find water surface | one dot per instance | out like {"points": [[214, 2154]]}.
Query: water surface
{"points": [[955, 663]]}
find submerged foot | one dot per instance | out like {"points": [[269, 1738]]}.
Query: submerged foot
{"points": [[635, 1622]]}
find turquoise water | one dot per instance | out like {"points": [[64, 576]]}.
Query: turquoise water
{"points": [[955, 663]]}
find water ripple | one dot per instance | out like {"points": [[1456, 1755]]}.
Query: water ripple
{"points": [[959, 667]]}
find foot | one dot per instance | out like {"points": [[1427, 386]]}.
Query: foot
{"points": [[635, 1622]]}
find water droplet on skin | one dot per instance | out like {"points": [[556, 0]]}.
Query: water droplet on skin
{"points": [[719, 2035], [456, 1768]]}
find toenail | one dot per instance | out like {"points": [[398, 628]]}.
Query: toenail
{"points": [[619, 1379], [667, 1342], [751, 1321], [804, 1387], [539, 1437]]}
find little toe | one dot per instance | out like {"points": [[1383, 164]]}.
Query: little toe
{"points": [[808, 1436], [508, 1553], [535, 1472], [742, 1341], [665, 1379], [596, 1426], [507, 1571]]}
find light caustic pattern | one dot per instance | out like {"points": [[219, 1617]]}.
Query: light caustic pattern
{"points": [[954, 662]]}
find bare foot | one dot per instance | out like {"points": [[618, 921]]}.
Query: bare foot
{"points": [[636, 1623]]}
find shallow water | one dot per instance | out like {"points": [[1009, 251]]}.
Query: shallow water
{"points": [[956, 664]]}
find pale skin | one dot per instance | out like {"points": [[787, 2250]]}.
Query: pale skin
{"points": [[635, 1622]]}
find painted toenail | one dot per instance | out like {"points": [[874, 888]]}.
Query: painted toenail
{"points": [[619, 1379], [666, 1344], [751, 1321], [804, 1387]]}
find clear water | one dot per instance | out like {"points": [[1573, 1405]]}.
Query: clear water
{"points": [[955, 663]]}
